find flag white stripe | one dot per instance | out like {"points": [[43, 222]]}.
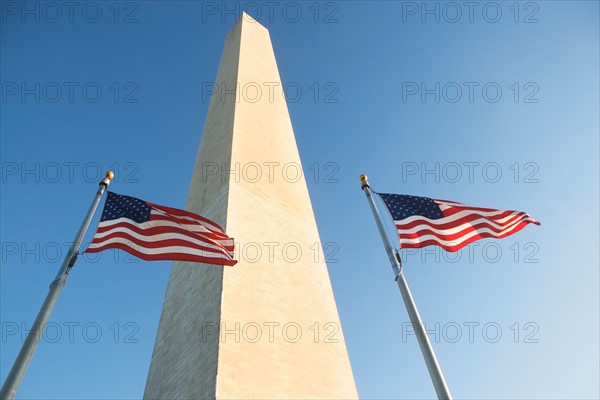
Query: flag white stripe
{"points": [[196, 225], [463, 226], [163, 250], [457, 216], [452, 203], [454, 242], [154, 224], [478, 210], [104, 238]]}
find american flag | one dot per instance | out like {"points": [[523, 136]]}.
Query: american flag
{"points": [[422, 221], [152, 232]]}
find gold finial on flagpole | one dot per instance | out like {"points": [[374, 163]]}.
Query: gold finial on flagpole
{"points": [[108, 177], [364, 181]]}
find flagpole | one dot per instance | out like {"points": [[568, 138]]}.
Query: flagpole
{"points": [[9, 389], [435, 372]]}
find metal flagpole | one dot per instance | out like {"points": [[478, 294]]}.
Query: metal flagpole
{"points": [[9, 389], [432, 364]]}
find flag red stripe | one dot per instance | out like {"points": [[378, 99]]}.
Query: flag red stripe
{"points": [[175, 248], [446, 203], [154, 245], [458, 246], [150, 231], [164, 256], [456, 236], [455, 210], [184, 213], [155, 216], [440, 224]]}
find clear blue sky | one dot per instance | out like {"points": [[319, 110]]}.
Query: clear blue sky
{"points": [[522, 133]]}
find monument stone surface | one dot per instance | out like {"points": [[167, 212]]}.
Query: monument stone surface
{"points": [[267, 327]]}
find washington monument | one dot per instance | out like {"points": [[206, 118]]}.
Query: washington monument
{"points": [[267, 327]]}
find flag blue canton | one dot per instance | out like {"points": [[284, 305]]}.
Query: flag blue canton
{"points": [[119, 206], [402, 206]]}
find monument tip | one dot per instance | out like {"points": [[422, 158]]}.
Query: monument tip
{"points": [[247, 17]]}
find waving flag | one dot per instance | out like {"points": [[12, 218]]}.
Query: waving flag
{"points": [[152, 232], [422, 221]]}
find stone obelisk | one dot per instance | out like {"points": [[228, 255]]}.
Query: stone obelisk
{"points": [[267, 327]]}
